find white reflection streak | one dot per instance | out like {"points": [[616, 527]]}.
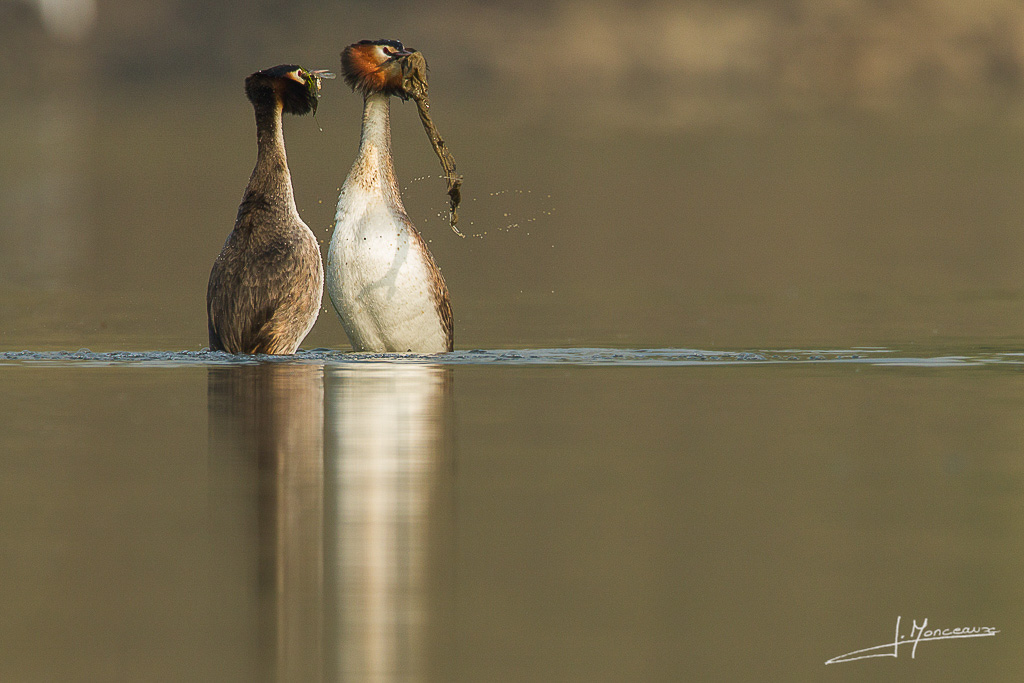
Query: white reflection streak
{"points": [[386, 426]]}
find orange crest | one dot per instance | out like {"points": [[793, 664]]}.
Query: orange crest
{"points": [[366, 68]]}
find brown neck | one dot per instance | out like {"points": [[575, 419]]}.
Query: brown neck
{"points": [[270, 185]]}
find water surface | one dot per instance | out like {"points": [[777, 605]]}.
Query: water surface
{"points": [[559, 514]]}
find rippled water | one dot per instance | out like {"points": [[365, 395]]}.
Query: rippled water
{"points": [[567, 357]]}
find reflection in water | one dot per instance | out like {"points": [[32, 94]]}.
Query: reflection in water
{"points": [[270, 416], [342, 594], [384, 425]]}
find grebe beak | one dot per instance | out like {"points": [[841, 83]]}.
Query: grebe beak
{"points": [[315, 76]]}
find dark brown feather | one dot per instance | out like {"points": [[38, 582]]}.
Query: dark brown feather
{"points": [[265, 286]]}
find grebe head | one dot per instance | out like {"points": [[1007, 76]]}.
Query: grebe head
{"points": [[376, 66], [297, 89]]}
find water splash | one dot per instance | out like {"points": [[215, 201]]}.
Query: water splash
{"points": [[508, 210]]}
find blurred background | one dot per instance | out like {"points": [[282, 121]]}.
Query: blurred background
{"points": [[719, 174]]}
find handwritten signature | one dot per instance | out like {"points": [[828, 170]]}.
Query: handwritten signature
{"points": [[918, 633]]}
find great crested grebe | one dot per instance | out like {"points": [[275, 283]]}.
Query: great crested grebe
{"points": [[266, 286], [381, 277]]}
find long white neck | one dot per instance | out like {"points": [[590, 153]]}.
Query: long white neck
{"points": [[380, 275], [374, 169]]}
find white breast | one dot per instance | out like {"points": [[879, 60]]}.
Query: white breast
{"points": [[380, 278]]}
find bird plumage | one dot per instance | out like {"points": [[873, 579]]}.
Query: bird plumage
{"points": [[381, 277], [266, 285]]}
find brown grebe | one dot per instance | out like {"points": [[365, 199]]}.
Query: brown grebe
{"points": [[266, 286], [381, 277]]}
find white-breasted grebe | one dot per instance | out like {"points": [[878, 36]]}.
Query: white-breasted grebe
{"points": [[268, 281], [381, 277]]}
